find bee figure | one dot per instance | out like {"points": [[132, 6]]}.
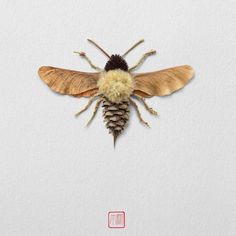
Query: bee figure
{"points": [[115, 85]]}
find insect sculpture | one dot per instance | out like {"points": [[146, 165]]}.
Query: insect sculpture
{"points": [[116, 85]]}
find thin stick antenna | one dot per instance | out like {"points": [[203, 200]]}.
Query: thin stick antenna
{"points": [[96, 45], [135, 45]]}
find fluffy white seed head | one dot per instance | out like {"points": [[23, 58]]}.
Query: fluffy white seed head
{"points": [[116, 85]]}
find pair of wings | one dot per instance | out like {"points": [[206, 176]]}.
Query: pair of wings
{"points": [[82, 84]]}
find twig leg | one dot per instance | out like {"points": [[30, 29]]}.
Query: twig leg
{"points": [[83, 55], [151, 110], [95, 111], [142, 59], [138, 112], [88, 104]]}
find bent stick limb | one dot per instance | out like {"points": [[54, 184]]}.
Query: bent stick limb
{"points": [[138, 112], [95, 111], [151, 110], [88, 104]]}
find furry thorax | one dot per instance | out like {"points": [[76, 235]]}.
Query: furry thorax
{"points": [[116, 85]]}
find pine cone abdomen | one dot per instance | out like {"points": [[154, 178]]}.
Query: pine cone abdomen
{"points": [[116, 116]]}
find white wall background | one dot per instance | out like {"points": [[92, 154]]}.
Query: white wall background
{"points": [[59, 178]]}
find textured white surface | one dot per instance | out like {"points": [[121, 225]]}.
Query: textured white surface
{"points": [[59, 178]]}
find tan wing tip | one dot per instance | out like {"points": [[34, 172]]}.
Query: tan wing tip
{"points": [[190, 69], [42, 70]]}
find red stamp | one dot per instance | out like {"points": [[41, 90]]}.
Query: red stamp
{"points": [[116, 219]]}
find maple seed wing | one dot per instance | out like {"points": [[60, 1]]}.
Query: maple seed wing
{"points": [[164, 82], [69, 82]]}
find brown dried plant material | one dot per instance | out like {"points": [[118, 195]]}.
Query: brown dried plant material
{"points": [[115, 85]]}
